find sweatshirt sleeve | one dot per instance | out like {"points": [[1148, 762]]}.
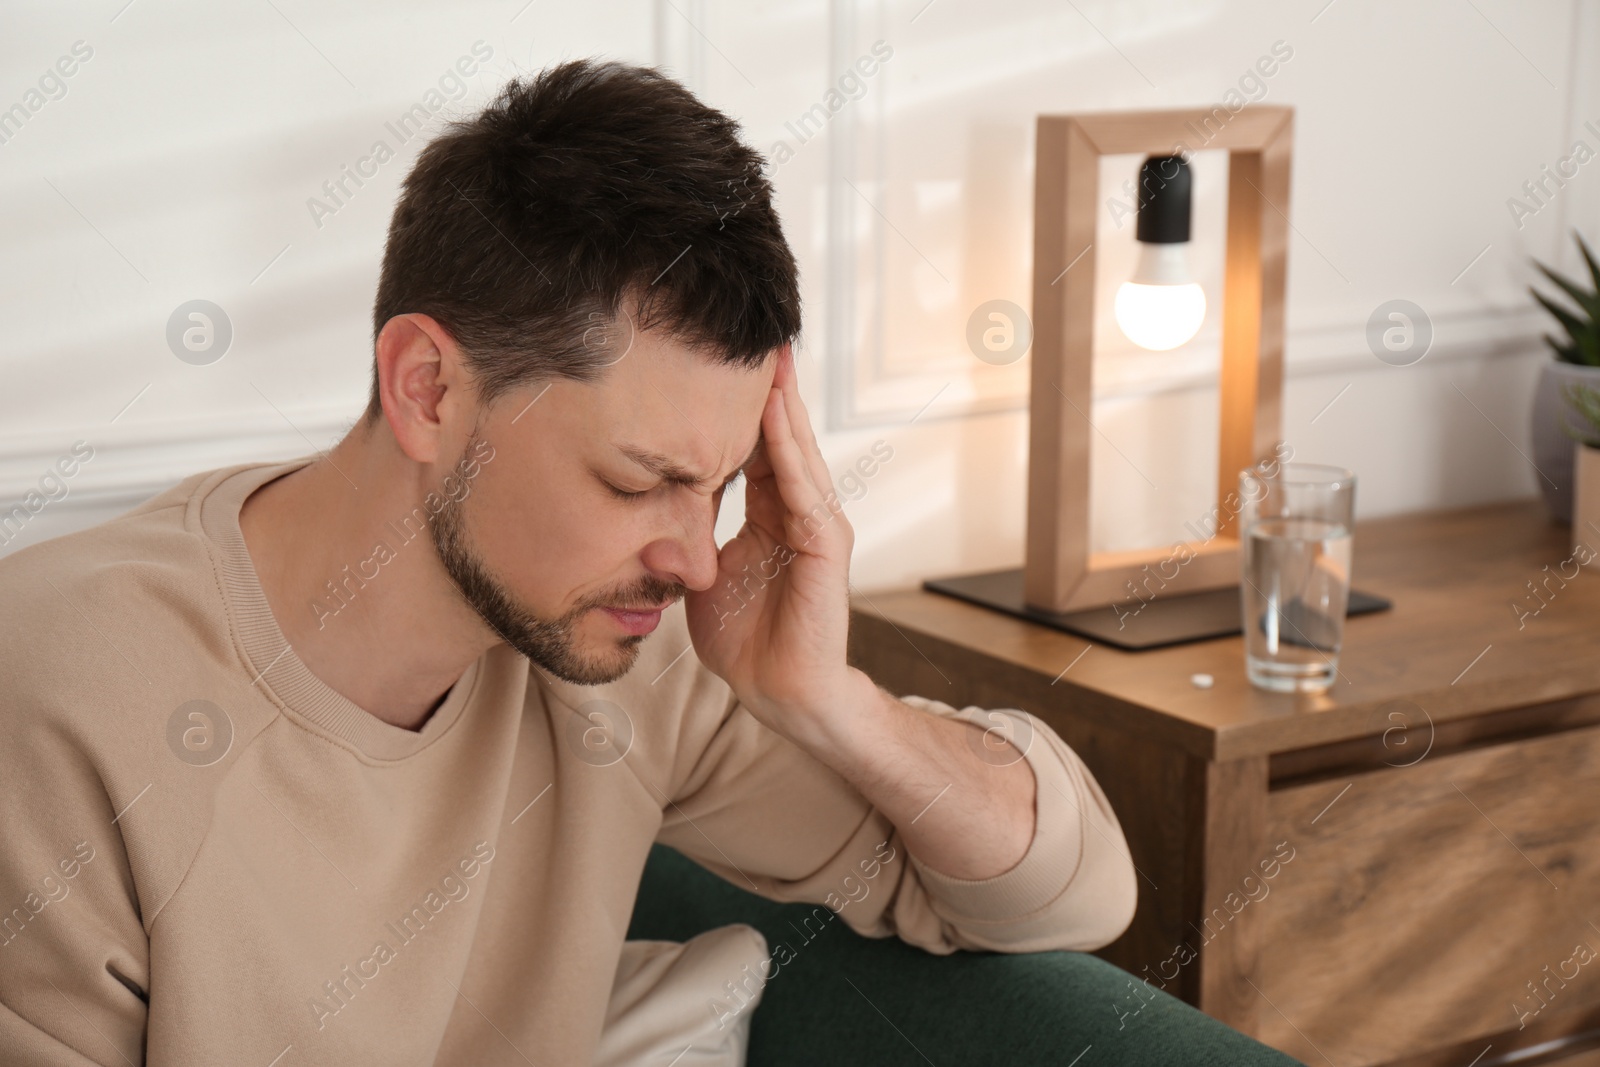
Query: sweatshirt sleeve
{"points": [[766, 816], [73, 951]]}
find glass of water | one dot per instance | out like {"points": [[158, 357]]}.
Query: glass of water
{"points": [[1294, 530]]}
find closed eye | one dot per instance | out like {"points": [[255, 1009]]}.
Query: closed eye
{"points": [[626, 494], [623, 494]]}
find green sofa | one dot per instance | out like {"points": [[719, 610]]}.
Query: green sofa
{"points": [[844, 999]]}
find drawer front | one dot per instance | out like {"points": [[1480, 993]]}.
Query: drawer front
{"points": [[1455, 898]]}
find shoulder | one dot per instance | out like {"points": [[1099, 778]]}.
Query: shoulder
{"points": [[104, 626], [113, 639]]}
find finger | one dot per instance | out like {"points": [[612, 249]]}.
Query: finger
{"points": [[764, 507], [800, 422], [783, 452], [760, 468], [766, 512], [763, 501], [807, 510]]}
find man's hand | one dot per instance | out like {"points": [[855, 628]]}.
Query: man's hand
{"points": [[774, 627]]}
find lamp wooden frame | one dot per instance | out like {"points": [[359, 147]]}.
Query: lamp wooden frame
{"points": [[1060, 573]]}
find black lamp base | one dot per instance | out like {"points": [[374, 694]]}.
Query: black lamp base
{"points": [[1157, 623]]}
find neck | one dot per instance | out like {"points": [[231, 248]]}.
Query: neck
{"points": [[347, 563]]}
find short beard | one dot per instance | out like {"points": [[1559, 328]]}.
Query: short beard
{"points": [[547, 643]]}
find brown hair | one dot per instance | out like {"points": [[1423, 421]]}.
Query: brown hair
{"points": [[522, 230]]}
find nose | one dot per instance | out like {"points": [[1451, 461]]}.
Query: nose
{"points": [[687, 554]]}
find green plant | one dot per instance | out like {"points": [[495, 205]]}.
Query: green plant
{"points": [[1583, 329], [1585, 400]]}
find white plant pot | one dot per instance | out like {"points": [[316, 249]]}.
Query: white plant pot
{"points": [[1552, 448], [1586, 504]]}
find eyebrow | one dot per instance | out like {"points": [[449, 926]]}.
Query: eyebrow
{"points": [[671, 471]]}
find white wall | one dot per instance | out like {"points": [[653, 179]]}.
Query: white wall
{"points": [[179, 163]]}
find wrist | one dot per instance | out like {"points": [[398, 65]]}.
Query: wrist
{"points": [[853, 718]]}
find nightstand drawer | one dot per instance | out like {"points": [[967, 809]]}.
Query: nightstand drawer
{"points": [[1434, 903]]}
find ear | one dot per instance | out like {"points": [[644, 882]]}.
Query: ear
{"points": [[423, 383]]}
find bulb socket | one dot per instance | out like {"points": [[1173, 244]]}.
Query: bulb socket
{"points": [[1165, 194]]}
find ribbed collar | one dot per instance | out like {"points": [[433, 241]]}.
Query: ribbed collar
{"points": [[273, 664]]}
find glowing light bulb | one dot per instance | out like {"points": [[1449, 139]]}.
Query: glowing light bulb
{"points": [[1161, 306]]}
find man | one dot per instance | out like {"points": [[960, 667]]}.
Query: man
{"points": [[289, 782]]}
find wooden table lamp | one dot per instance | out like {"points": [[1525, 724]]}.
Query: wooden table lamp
{"points": [[1061, 575]]}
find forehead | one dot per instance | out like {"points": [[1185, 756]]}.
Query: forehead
{"points": [[665, 397]]}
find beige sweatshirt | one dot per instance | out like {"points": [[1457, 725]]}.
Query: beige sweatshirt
{"points": [[207, 855]]}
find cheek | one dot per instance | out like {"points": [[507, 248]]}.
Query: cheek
{"points": [[545, 545]]}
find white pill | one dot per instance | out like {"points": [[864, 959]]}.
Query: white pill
{"points": [[1201, 681]]}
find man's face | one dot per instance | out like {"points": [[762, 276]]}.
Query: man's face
{"points": [[545, 549]]}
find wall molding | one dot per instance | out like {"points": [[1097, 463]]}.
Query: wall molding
{"points": [[134, 462], [1312, 353]]}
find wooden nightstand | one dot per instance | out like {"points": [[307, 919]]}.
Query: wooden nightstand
{"points": [[1439, 808]]}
